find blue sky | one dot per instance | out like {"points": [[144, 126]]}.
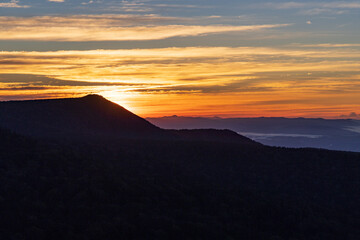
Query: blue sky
{"points": [[310, 22]]}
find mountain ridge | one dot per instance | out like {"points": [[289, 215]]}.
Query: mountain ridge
{"points": [[93, 117], [334, 134], [207, 184], [90, 116]]}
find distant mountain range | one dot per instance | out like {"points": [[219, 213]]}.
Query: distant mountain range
{"points": [[337, 134]]}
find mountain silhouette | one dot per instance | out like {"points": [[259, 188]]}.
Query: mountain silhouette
{"points": [[151, 183], [9, 139], [87, 117], [332, 134], [212, 135], [92, 118]]}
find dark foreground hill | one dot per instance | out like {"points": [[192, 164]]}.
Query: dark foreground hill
{"points": [[175, 189]]}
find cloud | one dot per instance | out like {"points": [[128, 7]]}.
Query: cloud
{"points": [[332, 5], [330, 45], [99, 20], [89, 2], [30, 80], [268, 68], [314, 8], [59, 1], [285, 5], [194, 80], [318, 11], [341, 5], [109, 28], [13, 4], [146, 6], [352, 115]]}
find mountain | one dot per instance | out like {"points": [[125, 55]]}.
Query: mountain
{"points": [[213, 135], [89, 117], [333, 134], [92, 118], [9, 139], [151, 183], [178, 189]]}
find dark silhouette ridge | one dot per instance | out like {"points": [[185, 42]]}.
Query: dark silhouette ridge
{"points": [[88, 117], [160, 189], [93, 118], [208, 184], [333, 134], [213, 135]]}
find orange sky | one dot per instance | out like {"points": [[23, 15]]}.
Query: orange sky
{"points": [[196, 81], [250, 60]]}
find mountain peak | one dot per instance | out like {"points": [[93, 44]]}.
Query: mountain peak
{"points": [[93, 117], [93, 96], [88, 117]]}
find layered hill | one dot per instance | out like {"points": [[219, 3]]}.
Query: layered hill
{"points": [[207, 184], [333, 134]]}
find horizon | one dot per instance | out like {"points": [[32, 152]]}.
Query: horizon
{"points": [[201, 58], [177, 116]]}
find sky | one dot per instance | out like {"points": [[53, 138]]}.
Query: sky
{"points": [[190, 58]]}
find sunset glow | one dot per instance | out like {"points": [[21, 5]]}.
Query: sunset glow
{"points": [[159, 60]]}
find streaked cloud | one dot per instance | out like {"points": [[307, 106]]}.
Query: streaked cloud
{"points": [[89, 2], [290, 5], [314, 8], [109, 28], [12, 4], [148, 6], [322, 80], [226, 58], [33, 81], [331, 45], [318, 11], [166, 64], [341, 4]]}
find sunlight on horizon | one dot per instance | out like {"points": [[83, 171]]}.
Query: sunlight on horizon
{"points": [[264, 59]]}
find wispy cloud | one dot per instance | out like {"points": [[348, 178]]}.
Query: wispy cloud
{"points": [[108, 27], [89, 2], [212, 60], [225, 68], [13, 4], [30, 80], [342, 4], [314, 8], [318, 11], [290, 5], [330, 45], [193, 80], [147, 6]]}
